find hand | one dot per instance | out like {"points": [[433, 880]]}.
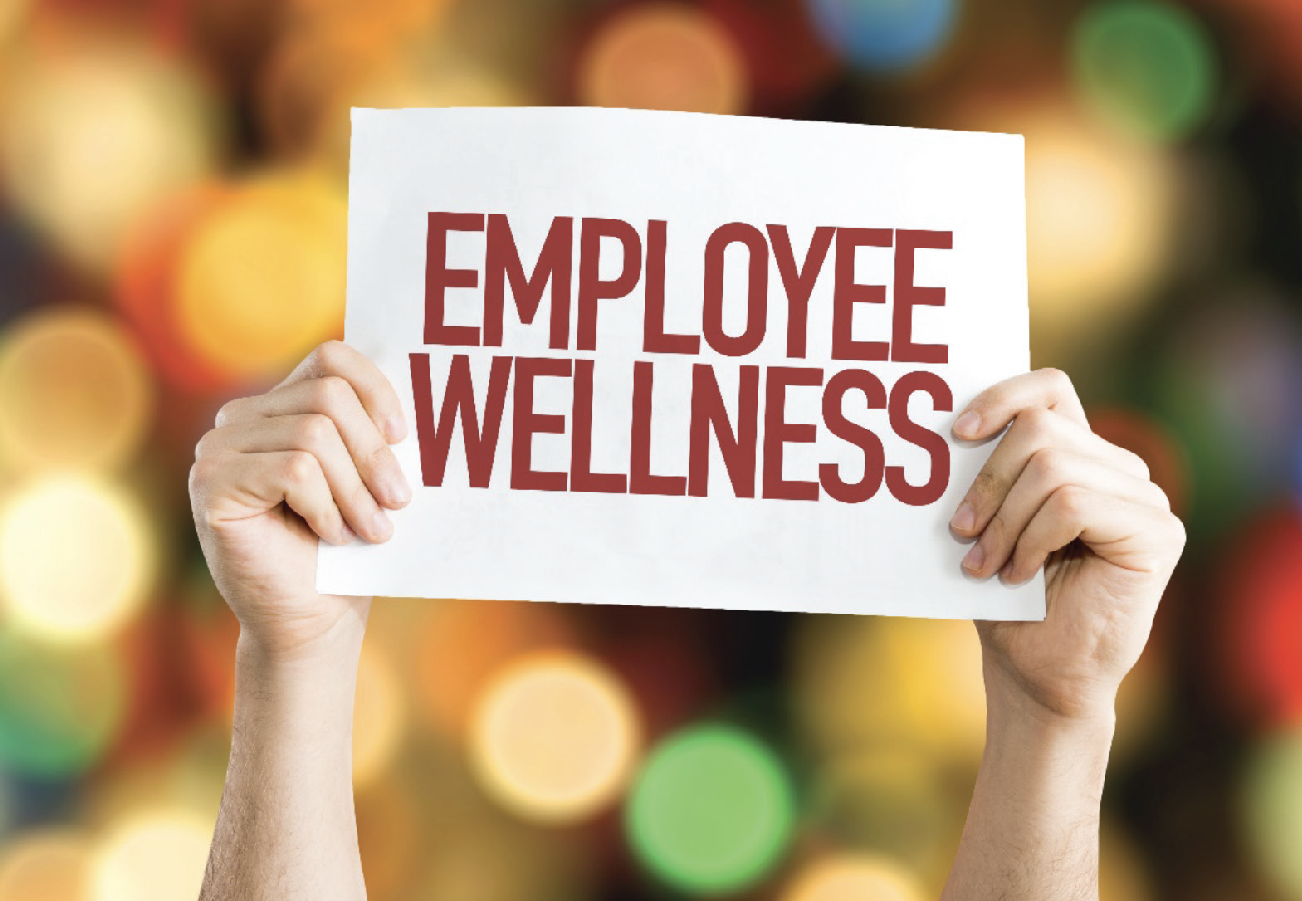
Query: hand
{"points": [[1056, 495], [308, 458]]}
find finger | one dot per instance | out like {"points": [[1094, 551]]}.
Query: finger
{"points": [[1034, 430], [316, 434], [334, 397], [992, 409], [1131, 535], [335, 358], [230, 487], [1047, 471]]}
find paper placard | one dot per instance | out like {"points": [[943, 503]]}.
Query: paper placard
{"points": [[680, 359]]}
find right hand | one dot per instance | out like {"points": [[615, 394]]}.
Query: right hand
{"points": [[309, 458]]}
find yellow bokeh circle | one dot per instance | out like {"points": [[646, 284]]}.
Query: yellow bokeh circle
{"points": [[154, 855], [50, 865], [380, 723], [262, 279], [96, 132], [554, 737], [847, 877], [74, 392], [76, 558]]}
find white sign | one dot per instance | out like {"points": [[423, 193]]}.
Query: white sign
{"points": [[680, 359]]}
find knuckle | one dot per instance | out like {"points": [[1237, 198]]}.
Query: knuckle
{"points": [[1037, 422], [329, 355], [300, 467], [314, 429], [1160, 498], [1139, 464], [1047, 466], [1058, 380], [1071, 501], [226, 412], [332, 392]]}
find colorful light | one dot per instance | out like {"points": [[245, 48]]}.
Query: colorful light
{"points": [[860, 876], [262, 280], [1146, 67], [1098, 215], [1167, 463], [894, 800], [49, 865], [76, 558], [1272, 810], [663, 56], [95, 133], [863, 682], [462, 644], [12, 15], [74, 393], [154, 855], [1262, 607], [711, 810], [888, 35], [554, 737], [380, 720], [59, 707]]}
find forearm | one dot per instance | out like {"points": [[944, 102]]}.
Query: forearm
{"points": [[286, 828], [1033, 826]]}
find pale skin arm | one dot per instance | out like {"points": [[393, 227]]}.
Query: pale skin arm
{"points": [[1054, 495], [309, 458]]}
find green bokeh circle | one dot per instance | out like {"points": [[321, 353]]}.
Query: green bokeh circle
{"points": [[711, 810], [59, 707], [1147, 67]]}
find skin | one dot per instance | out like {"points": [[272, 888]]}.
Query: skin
{"points": [[311, 458]]}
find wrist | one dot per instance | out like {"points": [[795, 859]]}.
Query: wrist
{"points": [[304, 695]]}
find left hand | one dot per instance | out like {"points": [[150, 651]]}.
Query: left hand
{"points": [[1054, 494]]}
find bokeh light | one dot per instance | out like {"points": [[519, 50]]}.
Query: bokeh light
{"points": [[886, 35], [894, 801], [1272, 809], [74, 392], [380, 718], [663, 56], [94, 132], [1147, 67], [711, 810], [923, 678], [146, 279], [462, 644], [12, 14], [1262, 609], [154, 855], [555, 737], [861, 876], [1153, 442], [1098, 213], [50, 865], [59, 707], [262, 280], [76, 558]]}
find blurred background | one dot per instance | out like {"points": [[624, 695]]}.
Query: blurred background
{"points": [[172, 232]]}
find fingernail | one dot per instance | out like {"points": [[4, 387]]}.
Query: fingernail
{"points": [[395, 489], [965, 519], [394, 429], [381, 527], [967, 425], [1006, 574], [974, 558]]}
